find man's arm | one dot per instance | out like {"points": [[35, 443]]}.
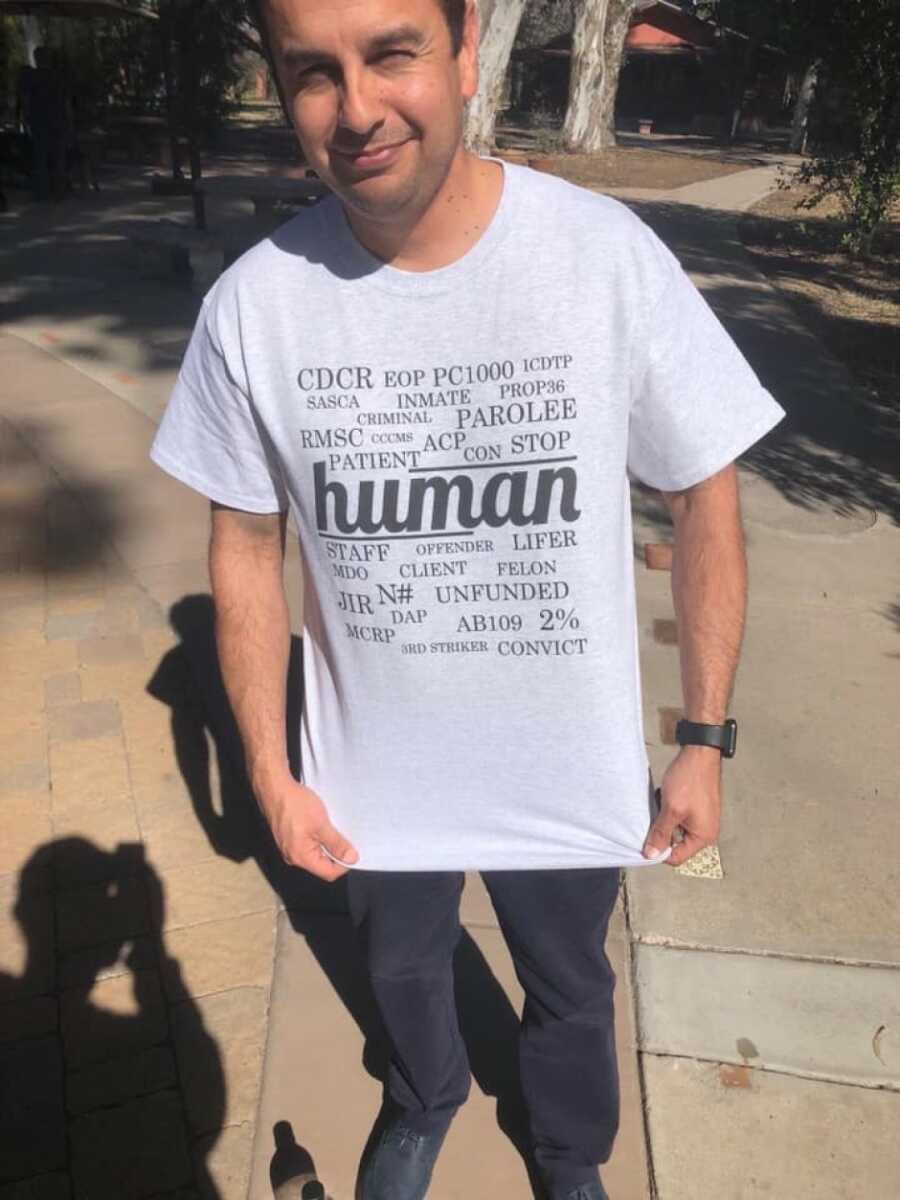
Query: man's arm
{"points": [[246, 559], [709, 589]]}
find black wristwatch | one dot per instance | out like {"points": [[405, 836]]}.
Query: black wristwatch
{"points": [[721, 737]]}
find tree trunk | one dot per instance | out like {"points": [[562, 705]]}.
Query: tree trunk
{"points": [[31, 37], [166, 37], [746, 76], [597, 50], [499, 25], [800, 123]]}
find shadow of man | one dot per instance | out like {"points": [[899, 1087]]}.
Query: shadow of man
{"points": [[101, 1077], [210, 757]]}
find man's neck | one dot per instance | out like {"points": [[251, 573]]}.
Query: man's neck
{"points": [[453, 222]]}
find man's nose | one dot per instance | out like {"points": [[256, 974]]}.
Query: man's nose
{"points": [[361, 104]]}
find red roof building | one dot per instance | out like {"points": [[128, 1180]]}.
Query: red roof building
{"points": [[658, 27], [678, 72]]}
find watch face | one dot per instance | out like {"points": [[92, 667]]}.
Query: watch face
{"points": [[730, 738]]}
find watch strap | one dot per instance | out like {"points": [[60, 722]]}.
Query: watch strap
{"points": [[719, 737]]}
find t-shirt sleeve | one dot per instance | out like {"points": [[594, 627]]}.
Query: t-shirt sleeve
{"points": [[696, 404], [210, 436]]}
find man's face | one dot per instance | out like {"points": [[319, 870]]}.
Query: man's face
{"points": [[376, 95]]}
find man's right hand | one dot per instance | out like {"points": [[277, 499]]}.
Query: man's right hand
{"points": [[300, 826]]}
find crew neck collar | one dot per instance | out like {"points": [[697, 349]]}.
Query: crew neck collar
{"points": [[361, 264]]}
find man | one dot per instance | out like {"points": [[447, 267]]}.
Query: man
{"points": [[446, 372]]}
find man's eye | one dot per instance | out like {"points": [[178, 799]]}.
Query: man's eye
{"points": [[313, 74], [396, 54]]}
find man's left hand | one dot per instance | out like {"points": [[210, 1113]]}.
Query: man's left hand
{"points": [[692, 799]]}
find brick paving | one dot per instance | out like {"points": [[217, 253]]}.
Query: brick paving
{"points": [[135, 959]]}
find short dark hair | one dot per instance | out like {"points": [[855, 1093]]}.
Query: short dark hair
{"points": [[454, 13]]}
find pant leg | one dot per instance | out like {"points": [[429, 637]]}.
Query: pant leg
{"points": [[408, 926], [555, 924]]}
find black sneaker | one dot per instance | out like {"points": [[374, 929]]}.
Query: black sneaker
{"points": [[401, 1165]]}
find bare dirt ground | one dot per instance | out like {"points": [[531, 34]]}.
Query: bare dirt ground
{"points": [[629, 167], [852, 304]]}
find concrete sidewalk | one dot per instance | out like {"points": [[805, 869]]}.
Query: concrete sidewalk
{"points": [[769, 997], [138, 988]]}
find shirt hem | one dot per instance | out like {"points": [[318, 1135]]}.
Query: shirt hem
{"points": [[495, 865]]}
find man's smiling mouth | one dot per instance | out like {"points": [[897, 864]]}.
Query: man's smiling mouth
{"points": [[370, 155]]}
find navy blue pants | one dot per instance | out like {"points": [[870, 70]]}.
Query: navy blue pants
{"points": [[555, 925]]}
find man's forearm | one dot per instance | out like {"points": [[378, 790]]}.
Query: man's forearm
{"points": [[253, 639], [253, 633], [709, 589]]}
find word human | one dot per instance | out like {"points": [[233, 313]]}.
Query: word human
{"points": [[399, 507]]}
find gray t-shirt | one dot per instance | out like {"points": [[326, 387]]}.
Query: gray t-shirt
{"points": [[455, 446]]}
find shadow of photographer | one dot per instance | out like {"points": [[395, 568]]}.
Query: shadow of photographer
{"points": [[99, 1074]]}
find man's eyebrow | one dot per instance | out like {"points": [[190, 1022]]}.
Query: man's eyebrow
{"points": [[293, 57], [407, 35], [400, 35]]}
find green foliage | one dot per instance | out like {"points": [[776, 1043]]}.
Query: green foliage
{"points": [[770, 19], [109, 65], [865, 182], [856, 118], [12, 51], [207, 45], [119, 65]]}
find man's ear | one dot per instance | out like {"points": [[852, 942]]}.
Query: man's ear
{"points": [[468, 51]]}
